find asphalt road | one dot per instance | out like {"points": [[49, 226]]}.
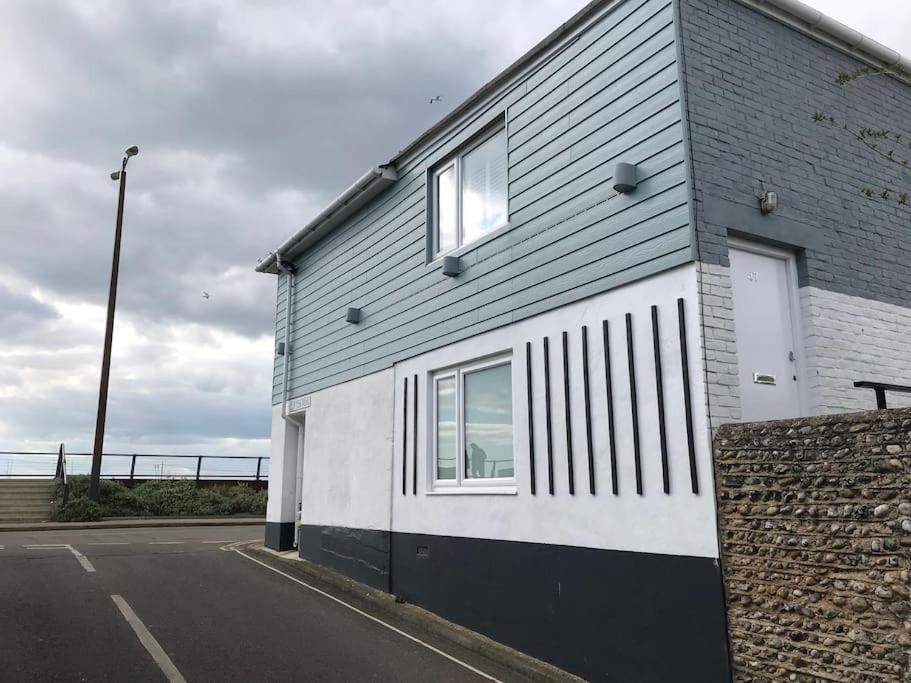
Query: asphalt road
{"points": [[213, 614]]}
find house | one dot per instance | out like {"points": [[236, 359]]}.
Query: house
{"points": [[501, 353]]}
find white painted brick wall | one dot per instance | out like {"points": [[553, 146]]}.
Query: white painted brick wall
{"points": [[719, 344], [848, 338]]}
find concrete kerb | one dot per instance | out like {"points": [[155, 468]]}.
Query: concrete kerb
{"points": [[134, 523], [386, 606]]}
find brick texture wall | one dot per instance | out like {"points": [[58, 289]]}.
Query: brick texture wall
{"points": [[752, 85], [720, 348], [815, 526], [848, 338]]}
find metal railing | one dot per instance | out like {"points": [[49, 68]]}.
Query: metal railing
{"points": [[39, 464]]}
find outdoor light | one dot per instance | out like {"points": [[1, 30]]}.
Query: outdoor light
{"points": [[625, 179], [132, 151], [115, 175], [451, 266], [768, 202], [353, 315]]}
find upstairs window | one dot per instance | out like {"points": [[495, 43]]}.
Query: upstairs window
{"points": [[469, 194], [472, 426]]}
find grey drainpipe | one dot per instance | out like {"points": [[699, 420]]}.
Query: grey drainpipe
{"points": [[289, 309]]}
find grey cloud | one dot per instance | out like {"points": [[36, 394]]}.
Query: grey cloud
{"points": [[171, 81], [20, 314]]}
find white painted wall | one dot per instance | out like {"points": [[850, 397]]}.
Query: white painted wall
{"points": [[680, 523], [848, 338], [347, 476], [282, 467]]}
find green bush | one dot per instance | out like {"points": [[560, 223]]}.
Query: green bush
{"points": [[78, 510], [165, 498], [242, 499], [177, 497]]}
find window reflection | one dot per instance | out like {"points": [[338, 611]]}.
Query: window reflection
{"points": [[488, 423], [447, 448], [447, 210], [484, 188]]}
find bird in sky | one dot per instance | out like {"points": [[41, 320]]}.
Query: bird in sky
{"points": [[206, 295], [436, 98]]}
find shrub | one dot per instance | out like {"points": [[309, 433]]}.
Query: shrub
{"points": [[176, 497], [164, 498], [78, 510]]}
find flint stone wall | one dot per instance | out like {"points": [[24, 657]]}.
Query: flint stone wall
{"points": [[815, 526]]}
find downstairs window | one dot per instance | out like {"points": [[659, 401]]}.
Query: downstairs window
{"points": [[472, 426]]}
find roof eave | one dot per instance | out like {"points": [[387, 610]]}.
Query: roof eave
{"points": [[374, 181], [810, 21]]}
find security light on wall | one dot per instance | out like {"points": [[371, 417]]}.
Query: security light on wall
{"points": [[625, 178], [451, 266], [768, 202], [353, 315]]}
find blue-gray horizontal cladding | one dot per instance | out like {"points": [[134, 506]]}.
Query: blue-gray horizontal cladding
{"points": [[609, 93]]}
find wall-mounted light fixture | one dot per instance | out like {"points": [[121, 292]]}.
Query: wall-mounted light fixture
{"points": [[768, 202], [625, 178], [280, 349], [353, 315], [451, 266]]}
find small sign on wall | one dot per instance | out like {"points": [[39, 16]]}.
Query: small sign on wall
{"points": [[298, 404], [763, 378]]}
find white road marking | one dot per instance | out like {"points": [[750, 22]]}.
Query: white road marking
{"points": [[47, 546], [109, 543], [148, 641], [83, 560], [362, 613], [166, 542], [2, 547], [213, 541]]}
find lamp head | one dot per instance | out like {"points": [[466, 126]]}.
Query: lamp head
{"points": [[115, 175], [768, 202], [132, 151]]}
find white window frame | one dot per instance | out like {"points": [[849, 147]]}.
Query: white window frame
{"points": [[462, 484], [455, 162]]}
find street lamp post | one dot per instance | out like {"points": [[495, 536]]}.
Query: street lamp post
{"points": [[94, 485]]}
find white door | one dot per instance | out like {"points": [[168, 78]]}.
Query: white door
{"points": [[764, 320]]}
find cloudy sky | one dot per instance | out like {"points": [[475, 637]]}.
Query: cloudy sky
{"points": [[250, 118]]}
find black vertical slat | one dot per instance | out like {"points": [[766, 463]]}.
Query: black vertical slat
{"points": [[659, 383], [405, 439], [414, 464], [609, 388], [588, 411], [547, 421], [531, 429], [634, 402], [568, 414], [687, 399]]}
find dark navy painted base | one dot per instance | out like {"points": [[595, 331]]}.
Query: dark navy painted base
{"points": [[601, 614], [280, 535], [605, 615], [362, 554]]}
